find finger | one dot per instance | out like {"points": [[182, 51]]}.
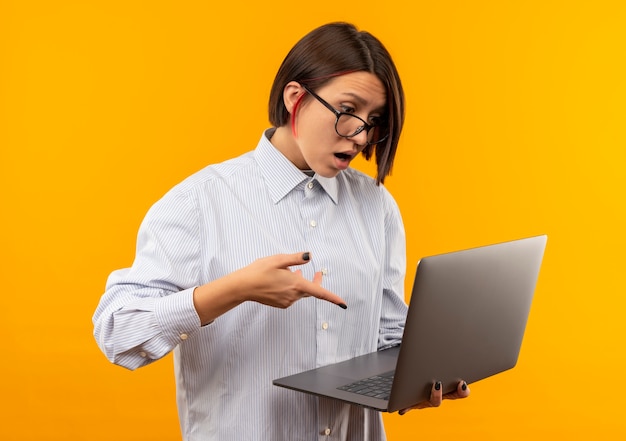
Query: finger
{"points": [[286, 260], [436, 394], [462, 391], [434, 401], [299, 273], [315, 290], [317, 278], [435, 397]]}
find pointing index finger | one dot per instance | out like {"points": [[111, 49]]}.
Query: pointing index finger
{"points": [[315, 290]]}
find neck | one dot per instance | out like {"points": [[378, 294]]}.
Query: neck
{"points": [[285, 143]]}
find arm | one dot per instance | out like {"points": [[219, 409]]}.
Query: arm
{"points": [[147, 309], [268, 280], [151, 307]]}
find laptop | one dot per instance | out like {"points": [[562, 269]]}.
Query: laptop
{"points": [[466, 320]]}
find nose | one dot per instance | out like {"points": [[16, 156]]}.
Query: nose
{"points": [[360, 138]]}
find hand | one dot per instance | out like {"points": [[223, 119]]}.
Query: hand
{"points": [[437, 397], [270, 281]]}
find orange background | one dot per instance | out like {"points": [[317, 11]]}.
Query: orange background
{"points": [[515, 127]]}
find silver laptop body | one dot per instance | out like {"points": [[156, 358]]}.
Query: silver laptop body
{"points": [[466, 320]]}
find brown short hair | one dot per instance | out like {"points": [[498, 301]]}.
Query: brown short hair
{"points": [[332, 50]]}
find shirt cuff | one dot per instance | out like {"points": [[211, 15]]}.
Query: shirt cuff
{"points": [[177, 316]]}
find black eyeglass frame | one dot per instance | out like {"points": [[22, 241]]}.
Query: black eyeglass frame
{"points": [[366, 126]]}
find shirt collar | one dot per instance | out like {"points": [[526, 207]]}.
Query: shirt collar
{"points": [[281, 175], [329, 185]]}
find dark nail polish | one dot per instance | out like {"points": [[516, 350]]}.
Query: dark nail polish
{"points": [[402, 412], [342, 305], [306, 257], [438, 385], [464, 386]]}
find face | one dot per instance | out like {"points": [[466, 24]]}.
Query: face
{"points": [[315, 145]]}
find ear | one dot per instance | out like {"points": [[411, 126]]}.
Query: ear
{"points": [[291, 94]]}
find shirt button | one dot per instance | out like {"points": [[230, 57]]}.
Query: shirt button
{"points": [[324, 271], [184, 336], [327, 431], [313, 224], [143, 354], [310, 184], [324, 326]]}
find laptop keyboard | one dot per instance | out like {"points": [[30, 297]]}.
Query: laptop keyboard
{"points": [[377, 386]]}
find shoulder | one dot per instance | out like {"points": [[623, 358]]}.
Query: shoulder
{"points": [[212, 174], [209, 182]]}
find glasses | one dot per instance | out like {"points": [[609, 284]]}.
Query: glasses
{"points": [[348, 125]]}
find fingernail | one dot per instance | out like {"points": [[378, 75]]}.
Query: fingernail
{"points": [[342, 305], [464, 386], [438, 385], [402, 412], [306, 256]]}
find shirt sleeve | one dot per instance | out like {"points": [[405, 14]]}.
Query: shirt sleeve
{"points": [[394, 308], [147, 310]]}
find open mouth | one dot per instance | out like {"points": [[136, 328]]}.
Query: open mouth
{"points": [[343, 156]]}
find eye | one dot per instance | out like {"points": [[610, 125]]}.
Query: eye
{"points": [[346, 108], [377, 121]]}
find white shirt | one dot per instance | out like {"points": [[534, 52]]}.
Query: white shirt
{"points": [[221, 219]]}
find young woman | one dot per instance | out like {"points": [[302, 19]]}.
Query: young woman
{"points": [[280, 260]]}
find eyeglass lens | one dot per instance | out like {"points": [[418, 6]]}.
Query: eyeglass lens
{"points": [[351, 125]]}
